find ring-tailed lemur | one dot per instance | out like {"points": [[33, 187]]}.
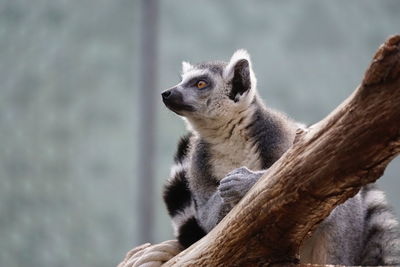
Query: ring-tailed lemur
{"points": [[233, 139]]}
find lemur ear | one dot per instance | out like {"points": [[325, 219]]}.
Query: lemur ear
{"points": [[186, 66], [240, 73]]}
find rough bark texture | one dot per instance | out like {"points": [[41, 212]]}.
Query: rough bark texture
{"points": [[327, 165]]}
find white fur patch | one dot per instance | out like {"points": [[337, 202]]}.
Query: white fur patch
{"points": [[191, 73], [374, 197], [186, 66], [387, 223], [176, 168], [179, 219], [229, 145], [236, 57]]}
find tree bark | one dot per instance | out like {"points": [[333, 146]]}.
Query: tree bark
{"points": [[326, 165]]}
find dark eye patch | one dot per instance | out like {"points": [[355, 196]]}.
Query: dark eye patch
{"points": [[192, 82]]}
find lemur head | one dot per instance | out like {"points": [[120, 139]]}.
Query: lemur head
{"points": [[213, 90]]}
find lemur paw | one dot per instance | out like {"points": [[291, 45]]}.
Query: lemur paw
{"points": [[235, 185]]}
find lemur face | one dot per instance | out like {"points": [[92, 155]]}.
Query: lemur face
{"points": [[213, 90]]}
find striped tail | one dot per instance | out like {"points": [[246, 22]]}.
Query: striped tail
{"points": [[179, 200], [382, 230]]}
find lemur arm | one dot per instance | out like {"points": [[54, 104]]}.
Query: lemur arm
{"points": [[237, 183], [229, 192], [211, 211]]}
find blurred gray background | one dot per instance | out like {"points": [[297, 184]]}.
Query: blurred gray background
{"points": [[70, 98]]}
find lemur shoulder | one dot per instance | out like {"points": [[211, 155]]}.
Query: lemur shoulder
{"points": [[233, 139]]}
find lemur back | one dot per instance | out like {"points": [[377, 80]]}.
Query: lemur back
{"points": [[233, 139]]}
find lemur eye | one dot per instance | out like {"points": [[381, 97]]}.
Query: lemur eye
{"points": [[201, 84]]}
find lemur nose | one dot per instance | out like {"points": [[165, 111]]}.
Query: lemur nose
{"points": [[166, 94]]}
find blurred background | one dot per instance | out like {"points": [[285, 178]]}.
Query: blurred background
{"points": [[80, 182]]}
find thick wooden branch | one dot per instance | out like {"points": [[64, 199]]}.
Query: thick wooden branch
{"points": [[327, 165]]}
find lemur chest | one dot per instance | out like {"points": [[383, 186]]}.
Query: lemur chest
{"points": [[226, 157]]}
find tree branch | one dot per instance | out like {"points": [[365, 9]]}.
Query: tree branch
{"points": [[327, 165]]}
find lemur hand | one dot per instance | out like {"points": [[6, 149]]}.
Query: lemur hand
{"points": [[236, 184]]}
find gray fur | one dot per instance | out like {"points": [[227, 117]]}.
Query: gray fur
{"points": [[216, 67], [236, 139], [237, 183]]}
